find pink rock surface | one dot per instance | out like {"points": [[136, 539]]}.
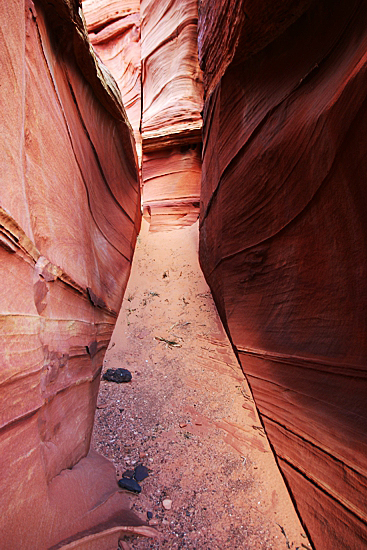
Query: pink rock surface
{"points": [[283, 233], [171, 77], [69, 216], [171, 121], [114, 31], [171, 191]]}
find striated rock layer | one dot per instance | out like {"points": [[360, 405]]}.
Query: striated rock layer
{"points": [[172, 179], [283, 237], [171, 119], [114, 31], [69, 216], [171, 77]]}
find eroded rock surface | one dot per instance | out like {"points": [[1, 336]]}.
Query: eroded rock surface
{"points": [[163, 99], [114, 31], [283, 237], [69, 216], [171, 119], [172, 80]]}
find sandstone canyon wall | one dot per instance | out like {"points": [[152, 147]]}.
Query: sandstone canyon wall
{"points": [[114, 31], [151, 49], [283, 236], [171, 119], [69, 216]]}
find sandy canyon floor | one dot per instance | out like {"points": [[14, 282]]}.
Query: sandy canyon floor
{"points": [[188, 414]]}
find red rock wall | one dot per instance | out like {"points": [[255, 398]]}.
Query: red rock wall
{"points": [[69, 216], [114, 31], [284, 233], [171, 119]]}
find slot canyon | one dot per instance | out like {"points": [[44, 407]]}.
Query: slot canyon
{"points": [[184, 196]]}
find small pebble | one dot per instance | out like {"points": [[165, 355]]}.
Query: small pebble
{"points": [[141, 472], [129, 474], [167, 504], [117, 375], [149, 515], [129, 485]]}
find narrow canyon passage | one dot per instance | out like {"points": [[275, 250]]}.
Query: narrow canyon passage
{"points": [[233, 123], [188, 414]]}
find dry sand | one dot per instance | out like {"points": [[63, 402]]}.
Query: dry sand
{"points": [[188, 414]]}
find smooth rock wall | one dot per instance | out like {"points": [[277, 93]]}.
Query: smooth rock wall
{"points": [[171, 77], [69, 217], [283, 239]]}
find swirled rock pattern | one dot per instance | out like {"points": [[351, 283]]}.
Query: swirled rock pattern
{"points": [[171, 77], [69, 216], [114, 31], [171, 119], [283, 237]]}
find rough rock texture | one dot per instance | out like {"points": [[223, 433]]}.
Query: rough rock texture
{"points": [[251, 26], [171, 119], [69, 216], [114, 31], [283, 238]]}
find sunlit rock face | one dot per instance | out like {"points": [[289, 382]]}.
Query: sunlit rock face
{"points": [[284, 232], [171, 119], [114, 31], [69, 216]]}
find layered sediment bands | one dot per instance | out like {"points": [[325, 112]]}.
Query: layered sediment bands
{"points": [[172, 179], [283, 243], [114, 31], [171, 119], [171, 77], [69, 218]]}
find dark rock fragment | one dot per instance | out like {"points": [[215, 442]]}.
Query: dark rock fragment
{"points": [[117, 375], [149, 515], [141, 472], [129, 474], [129, 485]]}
